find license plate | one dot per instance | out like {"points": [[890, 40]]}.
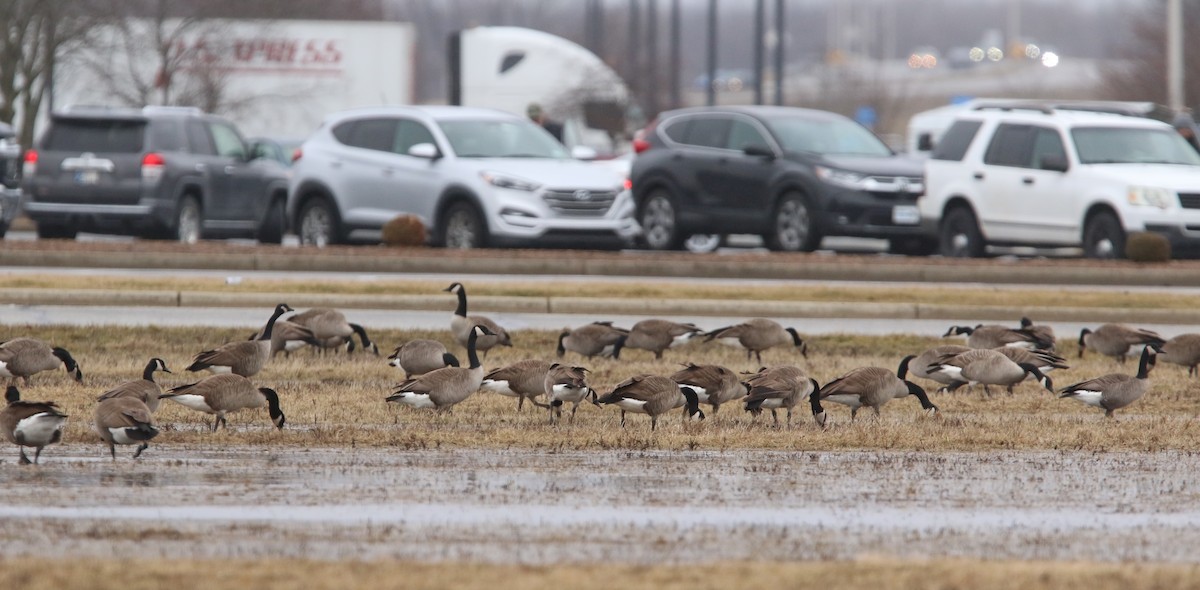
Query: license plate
{"points": [[906, 215], [87, 177]]}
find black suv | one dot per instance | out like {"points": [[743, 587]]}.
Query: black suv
{"points": [[791, 175], [158, 172], [10, 184]]}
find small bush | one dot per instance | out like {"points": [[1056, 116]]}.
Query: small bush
{"points": [[1148, 247], [404, 231]]}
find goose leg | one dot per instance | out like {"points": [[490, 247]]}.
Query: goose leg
{"points": [[876, 408], [112, 450], [622, 418], [141, 448], [37, 454], [573, 409], [653, 423], [24, 459], [520, 403], [774, 417], [853, 413], [789, 418]]}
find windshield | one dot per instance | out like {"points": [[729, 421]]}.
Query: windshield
{"points": [[831, 137], [1124, 145], [501, 139]]}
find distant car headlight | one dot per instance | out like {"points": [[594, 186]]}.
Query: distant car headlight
{"points": [[1145, 196], [842, 178], [509, 182]]}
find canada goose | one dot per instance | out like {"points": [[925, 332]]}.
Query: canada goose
{"points": [[445, 387], [989, 367], [713, 384], [1116, 340], [594, 339], [757, 335], [779, 388], [461, 324], [563, 384], [995, 336], [920, 364], [287, 337], [222, 394], [30, 424], [1183, 349], [331, 329], [145, 389], [124, 421], [652, 395], [245, 358], [1116, 390], [658, 335], [1043, 333], [869, 386], [417, 357], [522, 379], [1045, 360], [25, 357]]}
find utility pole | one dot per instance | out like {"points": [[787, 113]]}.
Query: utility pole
{"points": [[676, 58], [760, 32], [1175, 98], [653, 87], [712, 53], [780, 42], [634, 47]]}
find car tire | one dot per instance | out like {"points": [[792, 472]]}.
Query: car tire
{"points": [[51, 231], [660, 222], [793, 228], [959, 236], [912, 246], [463, 227], [703, 243], [1103, 237], [189, 221], [318, 224], [271, 231]]}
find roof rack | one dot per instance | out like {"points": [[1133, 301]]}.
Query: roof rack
{"points": [[1014, 106], [171, 110]]}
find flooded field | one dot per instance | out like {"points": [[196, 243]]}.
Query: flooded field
{"points": [[633, 507]]}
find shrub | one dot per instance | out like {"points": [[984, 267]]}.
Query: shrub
{"points": [[404, 231], [1148, 247]]}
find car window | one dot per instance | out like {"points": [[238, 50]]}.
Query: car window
{"points": [[372, 134], [954, 143], [166, 135], [227, 141], [1011, 145], [1046, 142], [410, 133], [96, 135], [1116, 145], [708, 132], [829, 136], [677, 130], [500, 138], [742, 134], [199, 141]]}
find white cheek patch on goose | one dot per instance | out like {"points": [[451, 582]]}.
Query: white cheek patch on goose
{"points": [[395, 362]]}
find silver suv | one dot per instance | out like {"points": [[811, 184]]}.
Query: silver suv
{"points": [[158, 172], [475, 178]]}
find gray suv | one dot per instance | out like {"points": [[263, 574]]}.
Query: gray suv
{"points": [[158, 172], [10, 169]]}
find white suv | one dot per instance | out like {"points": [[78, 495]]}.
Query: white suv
{"points": [[1055, 177], [475, 177]]}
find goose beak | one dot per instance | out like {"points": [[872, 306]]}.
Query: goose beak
{"points": [[821, 420], [934, 413]]}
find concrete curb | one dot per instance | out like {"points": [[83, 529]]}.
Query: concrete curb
{"points": [[599, 307], [626, 264]]}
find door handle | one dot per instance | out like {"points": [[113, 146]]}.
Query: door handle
{"points": [[1027, 180], [230, 169], [978, 176]]}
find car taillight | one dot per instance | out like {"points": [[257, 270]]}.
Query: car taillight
{"points": [[628, 184], [152, 167], [30, 166], [297, 154], [640, 145]]}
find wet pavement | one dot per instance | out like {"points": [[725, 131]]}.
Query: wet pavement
{"points": [[538, 507]]}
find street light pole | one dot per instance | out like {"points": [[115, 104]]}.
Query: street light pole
{"points": [[1175, 98], [712, 53], [760, 32], [780, 43]]}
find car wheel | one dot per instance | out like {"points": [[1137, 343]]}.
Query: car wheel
{"points": [[50, 231], [960, 236], [793, 229], [463, 228], [1103, 237], [912, 246], [318, 224], [271, 231], [703, 243], [659, 222], [188, 221]]}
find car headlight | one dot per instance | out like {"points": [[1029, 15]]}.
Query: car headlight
{"points": [[842, 178], [509, 182], [1145, 196]]}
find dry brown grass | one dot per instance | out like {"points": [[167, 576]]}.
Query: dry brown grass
{"points": [[337, 401], [1003, 296], [40, 574]]}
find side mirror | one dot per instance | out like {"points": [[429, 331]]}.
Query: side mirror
{"points": [[1055, 162], [925, 142], [760, 150], [427, 151], [583, 152]]}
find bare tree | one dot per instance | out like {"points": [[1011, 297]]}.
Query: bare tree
{"points": [[1143, 74]]}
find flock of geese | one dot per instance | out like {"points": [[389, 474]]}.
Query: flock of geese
{"points": [[994, 356]]}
